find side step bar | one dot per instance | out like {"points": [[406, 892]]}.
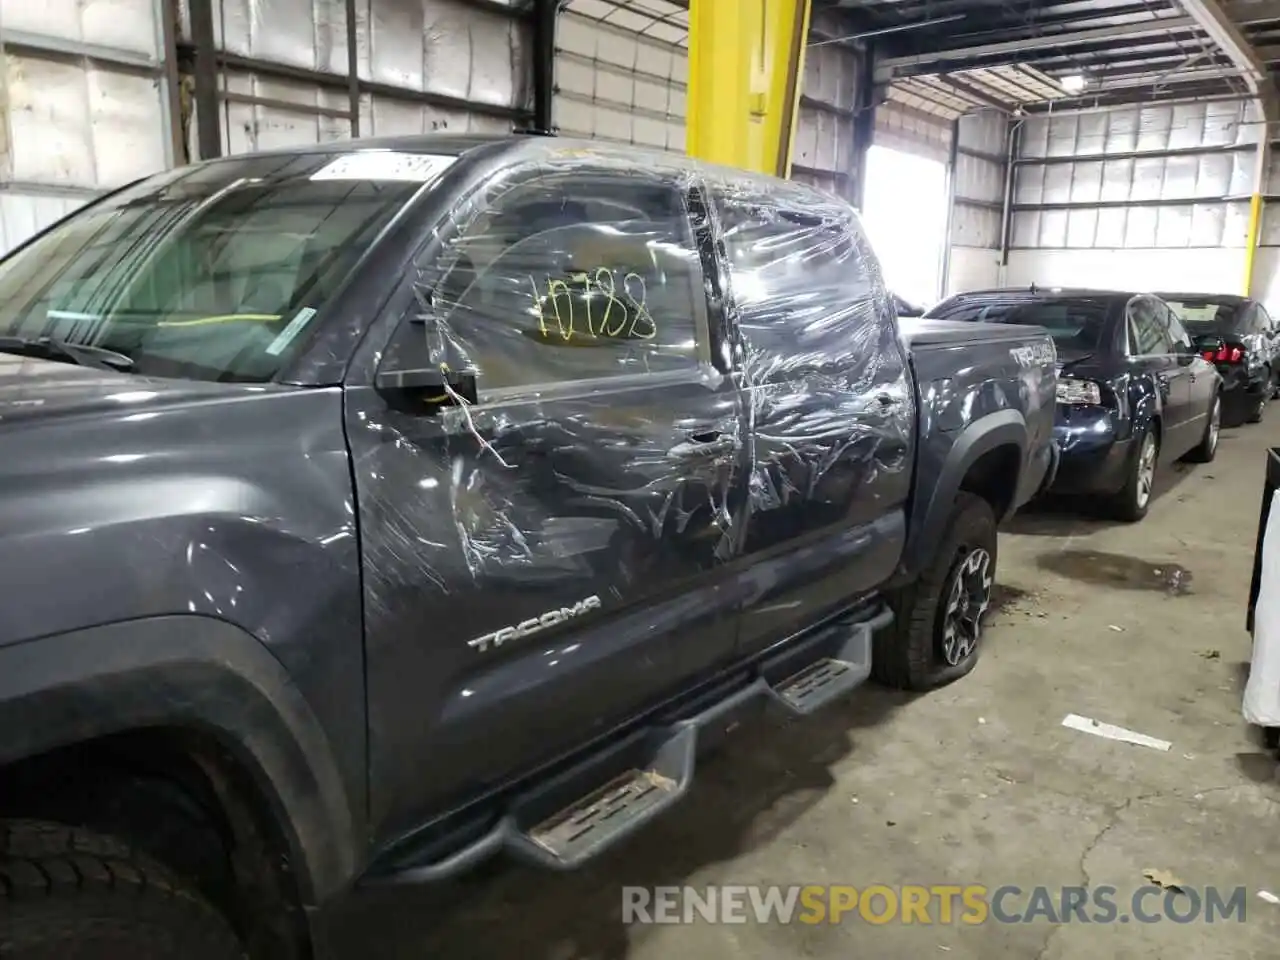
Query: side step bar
{"points": [[573, 817]]}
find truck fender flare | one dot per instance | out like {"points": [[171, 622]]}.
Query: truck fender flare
{"points": [[1004, 427], [202, 674]]}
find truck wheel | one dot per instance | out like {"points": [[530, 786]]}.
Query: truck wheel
{"points": [[1207, 448], [937, 631], [1134, 499], [67, 892], [1260, 406]]}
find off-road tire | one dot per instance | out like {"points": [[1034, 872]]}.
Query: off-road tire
{"points": [[908, 654], [1259, 406], [69, 893], [1207, 448]]}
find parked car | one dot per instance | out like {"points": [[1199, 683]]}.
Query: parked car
{"points": [[1239, 337], [371, 510], [1132, 390]]}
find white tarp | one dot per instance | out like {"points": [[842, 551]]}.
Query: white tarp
{"points": [[1262, 693]]}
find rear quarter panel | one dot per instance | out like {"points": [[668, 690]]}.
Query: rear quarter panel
{"points": [[994, 386]]}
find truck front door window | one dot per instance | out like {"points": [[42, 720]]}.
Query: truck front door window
{"points": [[576, 279]]}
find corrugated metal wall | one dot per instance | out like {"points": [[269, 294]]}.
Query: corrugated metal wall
{"points": [[84, 105], [902, 126], [88, 89], [424, 65], [1148, 196], [978, 185], [622, 75]]}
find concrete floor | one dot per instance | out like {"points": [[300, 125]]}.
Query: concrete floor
{"points": [[975, 783]]}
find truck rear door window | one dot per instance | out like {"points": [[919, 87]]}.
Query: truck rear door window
{"points": [[804, 285]]}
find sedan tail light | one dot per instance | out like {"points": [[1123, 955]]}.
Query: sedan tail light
{"points": [[1226, 353]]}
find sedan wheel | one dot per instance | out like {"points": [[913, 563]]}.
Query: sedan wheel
{"points": [[1146, 472], [1207, 448], [1130, 502]]}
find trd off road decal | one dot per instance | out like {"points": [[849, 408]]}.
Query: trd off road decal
{"points": [[1034, 355]]}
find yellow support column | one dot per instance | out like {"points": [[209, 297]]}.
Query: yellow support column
{"points": [[746, 61], [1262, 161]]}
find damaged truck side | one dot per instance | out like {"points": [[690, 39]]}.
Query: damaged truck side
{"points": [[373, 510]]}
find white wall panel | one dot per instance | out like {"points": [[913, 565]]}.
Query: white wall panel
{"points": [[614, 84], [972, 268], [446, 48], [903, 127], [122, 24], [1211, 271], [619, 78], [1147, 197], [74, 126]]}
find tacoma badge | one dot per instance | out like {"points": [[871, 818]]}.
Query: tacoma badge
{"points": [[531, 626]]}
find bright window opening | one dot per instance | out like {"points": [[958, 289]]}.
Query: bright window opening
{"points": [[905, 213]]}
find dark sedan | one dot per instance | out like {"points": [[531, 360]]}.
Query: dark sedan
{"points": [[1133, 392], [1239, 337]]}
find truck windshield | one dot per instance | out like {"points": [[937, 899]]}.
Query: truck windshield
{"points": [[206, 273]]}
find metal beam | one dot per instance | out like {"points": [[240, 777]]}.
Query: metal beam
{"points": [[973, 93], [1209, 15], [1253, 13], [890, 67], [746, 61], [545, 15], [208, 107], [353, 68]]}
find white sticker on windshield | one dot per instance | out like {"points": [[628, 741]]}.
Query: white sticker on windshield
{"points": [[385, 165], [287, 335]]}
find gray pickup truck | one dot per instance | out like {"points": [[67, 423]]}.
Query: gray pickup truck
{"points": [[371, 510]]}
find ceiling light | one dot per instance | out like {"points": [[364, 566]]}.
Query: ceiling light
{"points": [[1073, 83]]}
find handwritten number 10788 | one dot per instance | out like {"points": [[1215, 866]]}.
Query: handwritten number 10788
{"points": [[623, 313]]}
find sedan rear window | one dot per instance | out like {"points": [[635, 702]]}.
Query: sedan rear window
{"points": [[1077, 324], [208, 273], [989, 311], [1205, 316]]}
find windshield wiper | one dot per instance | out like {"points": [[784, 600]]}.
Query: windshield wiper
{"points": [[52, 348]]}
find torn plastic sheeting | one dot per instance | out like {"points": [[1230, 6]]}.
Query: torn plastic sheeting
{"points": [[553, 275]]}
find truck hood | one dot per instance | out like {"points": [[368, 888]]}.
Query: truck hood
{"points": [[34, 389]]}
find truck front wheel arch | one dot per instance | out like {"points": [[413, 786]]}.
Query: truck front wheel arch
{"points": [[214, 695]]}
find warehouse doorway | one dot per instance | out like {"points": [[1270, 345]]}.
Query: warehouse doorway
{"points": [[905, 212]]}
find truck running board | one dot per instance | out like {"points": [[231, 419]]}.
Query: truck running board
{"points": [[829, 678], [565, 820]]}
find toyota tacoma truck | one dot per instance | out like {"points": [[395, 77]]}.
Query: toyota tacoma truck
{"points": [[369, 511]]}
